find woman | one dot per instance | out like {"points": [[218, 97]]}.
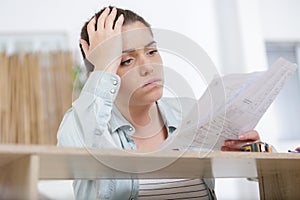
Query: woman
{"points": [[120, 106]]}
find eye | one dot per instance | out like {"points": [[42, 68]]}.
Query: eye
{"points": [[152, 52], [126, 62]]}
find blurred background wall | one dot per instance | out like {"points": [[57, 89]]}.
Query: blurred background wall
{"points": [[238, 35]]}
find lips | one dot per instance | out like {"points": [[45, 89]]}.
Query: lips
{"points": [[153, 82]]}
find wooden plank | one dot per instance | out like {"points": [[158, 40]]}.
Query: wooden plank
{"points": [[278, 173], [19, 178], [80, 162], [279, 179]]}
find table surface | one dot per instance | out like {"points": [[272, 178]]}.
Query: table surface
{"points": [[83, 163]]}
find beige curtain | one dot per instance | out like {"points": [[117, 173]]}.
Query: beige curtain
{"points": [[35, 91]]}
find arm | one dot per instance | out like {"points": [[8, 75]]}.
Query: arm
{"points": [[85, 125], [86, 122]]}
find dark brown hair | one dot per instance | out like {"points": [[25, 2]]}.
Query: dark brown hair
{"points": [[129, 17]]}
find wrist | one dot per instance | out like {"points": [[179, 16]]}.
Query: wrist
{"points": [[109, 68], [105, 58]]}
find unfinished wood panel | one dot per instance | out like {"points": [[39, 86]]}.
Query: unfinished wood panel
{"points": [[19, 178], [278, 173], [279, 179]]}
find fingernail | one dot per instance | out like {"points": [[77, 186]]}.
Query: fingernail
{"points": [[242, 137]]}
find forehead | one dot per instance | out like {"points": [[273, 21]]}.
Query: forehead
{"points": [[135, 35]]}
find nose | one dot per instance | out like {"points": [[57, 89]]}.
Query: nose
{"points": [[146, 67]]}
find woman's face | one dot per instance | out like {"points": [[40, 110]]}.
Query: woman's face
{"points": [[141, 69]]}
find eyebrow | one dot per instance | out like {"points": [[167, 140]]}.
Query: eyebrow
{"points": [[132, 50]]}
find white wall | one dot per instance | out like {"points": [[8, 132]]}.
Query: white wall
{"points": [[279, 22], [195, 19], [232, 32], [249, 24], [241, 43]]}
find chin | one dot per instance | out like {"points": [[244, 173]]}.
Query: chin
{"points": [[150, 98], [147, 98], [155, 96]]}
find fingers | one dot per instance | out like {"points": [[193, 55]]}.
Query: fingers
{"points": [[236, 145], [105, 20], [91, 26], [109, 22], [224, 148], [250, 135], [119, 23], [102, 19]]}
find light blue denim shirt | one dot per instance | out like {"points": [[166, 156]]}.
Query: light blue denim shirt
{"points": [[94, 121]]}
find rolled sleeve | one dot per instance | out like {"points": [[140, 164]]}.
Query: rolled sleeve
{"points": [[102, 84], [86, 123]]}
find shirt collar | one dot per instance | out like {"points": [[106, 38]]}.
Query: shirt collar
{"points": [[171, 117], [117, 120]]}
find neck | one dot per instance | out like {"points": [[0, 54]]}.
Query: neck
{"points": [[139, 116], [146, 119], [150, 131]]}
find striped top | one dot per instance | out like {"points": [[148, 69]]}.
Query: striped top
{"points": [[172, 189]]}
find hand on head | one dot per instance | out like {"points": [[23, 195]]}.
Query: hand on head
{"points": [[105, 41]]}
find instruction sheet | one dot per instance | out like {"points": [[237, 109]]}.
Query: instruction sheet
{"points": [[231, 105]]}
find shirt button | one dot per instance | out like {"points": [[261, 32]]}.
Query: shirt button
{"points": [[112, 91], [115, 82], [130, 129]]}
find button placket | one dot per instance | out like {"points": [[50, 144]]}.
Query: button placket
{"points": [[113, 91], [130, 132], [114, 83]]}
